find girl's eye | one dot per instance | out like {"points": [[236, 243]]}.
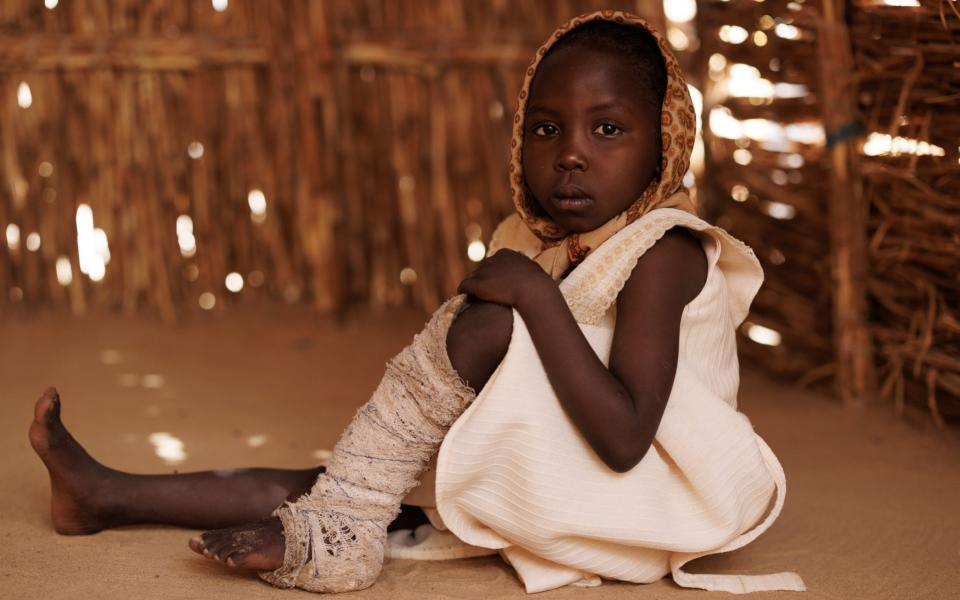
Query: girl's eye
{"points": [[546, 129], [608, 129]]}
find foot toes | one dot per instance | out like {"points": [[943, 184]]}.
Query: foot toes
{"points": [[207, 544], [196, 544], [224, 551], [255, 546], [233, 556], [48, 406], [216, 545]]}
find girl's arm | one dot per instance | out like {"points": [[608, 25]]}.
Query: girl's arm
{"points": [[618, 409]]}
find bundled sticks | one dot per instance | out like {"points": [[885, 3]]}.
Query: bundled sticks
{"points": [[348, 152], [884, 253], [908, 68], [336, 152]]}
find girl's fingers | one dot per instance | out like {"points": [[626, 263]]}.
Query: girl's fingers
{"points": [[466, 286], [473, 286]]}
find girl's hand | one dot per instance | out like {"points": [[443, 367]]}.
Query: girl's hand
{"points": [[509, 278]]}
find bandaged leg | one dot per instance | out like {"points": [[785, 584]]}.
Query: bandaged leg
{"points": [[335, 536]]}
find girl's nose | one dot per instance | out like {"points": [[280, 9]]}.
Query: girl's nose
{"points": [[571, 158]]}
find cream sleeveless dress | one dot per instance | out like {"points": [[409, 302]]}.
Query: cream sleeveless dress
{"points": [[514, 474]]}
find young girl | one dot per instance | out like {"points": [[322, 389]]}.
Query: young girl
{"points": [[600, 333]]}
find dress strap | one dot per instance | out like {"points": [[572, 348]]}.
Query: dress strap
{"points": [[594, 285], [742, 584]]}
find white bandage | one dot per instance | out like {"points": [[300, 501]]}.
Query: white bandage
{"points": [[335, 536]]}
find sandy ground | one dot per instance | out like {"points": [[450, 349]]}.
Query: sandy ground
{"points": [[872, 509]]}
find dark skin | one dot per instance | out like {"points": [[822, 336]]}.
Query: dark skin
{"points": [[587, 127]]}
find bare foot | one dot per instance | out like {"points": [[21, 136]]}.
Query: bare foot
{"points": [[76, 479], [257, 545]]}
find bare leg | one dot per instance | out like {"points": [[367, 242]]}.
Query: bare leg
{"points": [[476, 343], [88, 497]]}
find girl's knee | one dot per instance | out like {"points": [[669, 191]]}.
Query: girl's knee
{"points": [[478, 340]]}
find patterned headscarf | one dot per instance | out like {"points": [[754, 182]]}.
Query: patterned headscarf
{"points": [[542, 239]]}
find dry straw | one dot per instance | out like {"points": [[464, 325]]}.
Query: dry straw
{"points": [[376, 132], [373, 135], [874, 239]]}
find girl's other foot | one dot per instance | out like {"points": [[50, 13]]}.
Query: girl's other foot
{"points": [[258, 546], [77, 481]]}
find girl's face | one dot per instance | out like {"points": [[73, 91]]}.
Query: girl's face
{"points": [[591, 137]]}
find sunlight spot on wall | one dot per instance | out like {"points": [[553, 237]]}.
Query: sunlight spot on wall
{"points": [[195, 150], [779, 210], [406, 183], [191, 272], [64, 271], [257, 201], [880, 144], [207, 301], [13, 236], [408, 276], [791, 161], [291, 293], [680, 11], [677, 38], [762, 335], [185, 237], [234, 282], [717, 62], [733, 34], [725, 125], [777, 257], [476, 250], [24, 95], [697, 155], [93, 248], [740, 192], [786, 31]]}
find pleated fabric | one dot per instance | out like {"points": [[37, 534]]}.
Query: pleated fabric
{"points": [[514, 474]]}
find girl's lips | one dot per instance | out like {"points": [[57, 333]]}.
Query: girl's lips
{"points": [[572, 203], [571, 197]]}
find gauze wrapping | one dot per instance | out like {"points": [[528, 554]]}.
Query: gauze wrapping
{"points": [[335, 535]]}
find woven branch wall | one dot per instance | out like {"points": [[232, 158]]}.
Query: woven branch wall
{"points": [[765, 178], [336, 152], [903, 89], [908, 70], [349, 152]]}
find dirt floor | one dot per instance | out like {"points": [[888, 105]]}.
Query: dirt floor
{"points": [[872, 509]]}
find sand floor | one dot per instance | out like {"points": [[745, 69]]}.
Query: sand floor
{"points": [[872, 509]]}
